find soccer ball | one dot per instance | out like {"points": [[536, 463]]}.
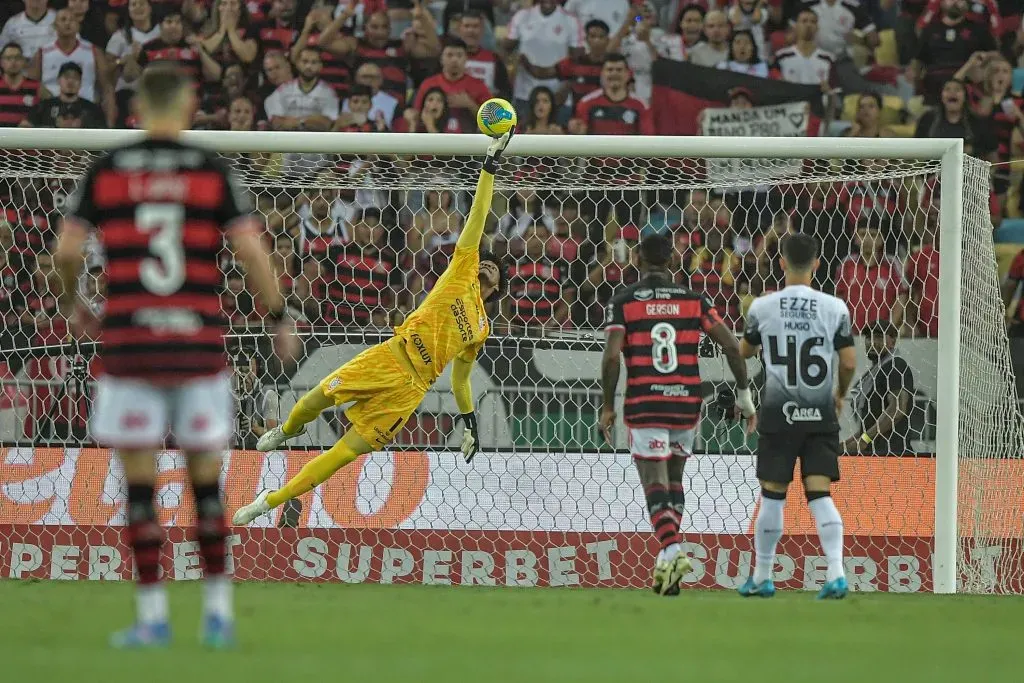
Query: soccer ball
{"points": [[496, 117]]}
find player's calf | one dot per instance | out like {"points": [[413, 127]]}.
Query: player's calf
{"points": [[767, 532], [830, 534], [211, 532]]}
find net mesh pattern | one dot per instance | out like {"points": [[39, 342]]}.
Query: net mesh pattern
{"points": [[549, 502]]}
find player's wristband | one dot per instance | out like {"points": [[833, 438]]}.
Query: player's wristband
{"points": [[491, 164], [865, 438]]}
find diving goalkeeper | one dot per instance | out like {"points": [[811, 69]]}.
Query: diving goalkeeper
{"points": [[388, 381]]}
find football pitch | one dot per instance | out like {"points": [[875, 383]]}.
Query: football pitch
{"points": [[289, 633]]}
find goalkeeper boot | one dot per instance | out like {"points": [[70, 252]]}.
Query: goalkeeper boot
{"points": [[247, 513], [836, 589], [275, 438], [218, 632], [142, 636], [749, 589]]}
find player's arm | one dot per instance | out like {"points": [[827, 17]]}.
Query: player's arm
{"points": [[473, 231], [462, 366], [80, 215], [615, 337], [843, 343]]}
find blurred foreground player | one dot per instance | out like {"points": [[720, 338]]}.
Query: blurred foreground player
{"points": [[161, 211], [798, 331], [657, 325], [387, 382]]}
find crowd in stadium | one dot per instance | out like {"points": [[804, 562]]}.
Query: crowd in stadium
{"points": [[938, 68]]}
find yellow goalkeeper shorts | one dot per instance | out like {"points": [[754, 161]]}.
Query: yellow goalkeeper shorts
{"points": [[385, 393]]}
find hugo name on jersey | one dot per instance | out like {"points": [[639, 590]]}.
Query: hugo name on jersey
{"points": [[663, 323], [799, 330]]}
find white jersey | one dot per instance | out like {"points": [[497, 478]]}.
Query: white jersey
{"points": [[83, 54], [120, 45], [546, 40], [809, 70], [30, 35], [799, 330], [291, 100]]}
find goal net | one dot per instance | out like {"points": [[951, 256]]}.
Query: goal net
{"points": [[361, 231]]}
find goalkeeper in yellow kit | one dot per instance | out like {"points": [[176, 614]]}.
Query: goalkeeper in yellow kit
{"points": [[388, 381]]}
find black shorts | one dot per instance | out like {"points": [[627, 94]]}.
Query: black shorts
{"points": [[777, 455]]}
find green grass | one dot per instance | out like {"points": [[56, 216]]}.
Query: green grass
{"points": [[57, 631]]}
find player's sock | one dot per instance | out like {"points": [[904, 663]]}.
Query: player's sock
{"points": [[314, 473], [830, 531], [146, 539], [767, 532], [211, 532], [663, 517], [305, 411], [677, 498]]}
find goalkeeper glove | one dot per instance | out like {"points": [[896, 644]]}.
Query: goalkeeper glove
{"points": [[470, 436], [495, 150]]}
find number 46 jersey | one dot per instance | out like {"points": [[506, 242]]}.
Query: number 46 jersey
{"points": [[160, 211], [663, 323], [799, 329]]}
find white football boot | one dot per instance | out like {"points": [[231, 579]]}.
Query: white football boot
{"points": [[247, 513], [275, 437]]}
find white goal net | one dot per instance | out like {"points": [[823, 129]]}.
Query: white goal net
{"points": [[359, 237]]}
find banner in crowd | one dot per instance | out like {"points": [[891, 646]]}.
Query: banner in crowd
{"points": [[519, 518], [773, 120], [683, 90]]}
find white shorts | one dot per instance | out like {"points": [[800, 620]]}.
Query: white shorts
{"points": [[657, 443], [134, 413]]}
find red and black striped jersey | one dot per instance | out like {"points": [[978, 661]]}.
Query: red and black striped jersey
{"points": [[187, 56], [583, 75], [15, 101], [161, 211], [335, 71], [393, 63], [605, 116], [535, 288], [357, 281], [663, 323], [273, 36]]}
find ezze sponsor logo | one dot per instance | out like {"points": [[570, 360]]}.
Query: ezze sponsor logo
{"points": [[795, 413]]}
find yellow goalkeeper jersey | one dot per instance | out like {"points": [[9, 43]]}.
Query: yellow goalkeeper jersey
{"points": [[452, 320]]}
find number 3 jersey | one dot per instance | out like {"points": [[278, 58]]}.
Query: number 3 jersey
{"points": [[663, 323], [160, 211], [799, 329]]}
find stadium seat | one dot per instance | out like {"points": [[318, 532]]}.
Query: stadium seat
{"points": [[1010, 231], [886, 54], [1005, 253], [1018, 80]]}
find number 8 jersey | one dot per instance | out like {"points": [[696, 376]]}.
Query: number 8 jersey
{"points": [[799, 330], [663, 324], [160, 211]]}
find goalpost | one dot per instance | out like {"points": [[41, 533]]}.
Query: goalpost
{"points": [[550, 506]]}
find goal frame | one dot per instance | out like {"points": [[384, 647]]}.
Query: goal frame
{"points": [[948, 151]]}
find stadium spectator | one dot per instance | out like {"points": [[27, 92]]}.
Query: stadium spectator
{"points": [[433, 117], [538, 293], [278, 30], [689, 31], [922, 274], [321, 223], [213, 107], [172, 45], [714, 49], [306, 103], [805, 62], [390, 55], [92, 19], [870, 281], [540, 116], [421, 42], [18, 92], [581, 75], [867, 120], [769, 276], [31, 29], [884, 397], [277, 71], [751, 15], [611, 12], [67, 109], [944, 46], [744, 57], [482, 63], [356, 117], [953, 119], [981, 11], [544, 35], [241, 114], [464, 93], [285, 262], [618, 265], [713, 270], [382, 105], [431, 240], [336, 71], [51, 59], [361, 278], [612, 110], [843, 27], [229, 37], [637, 39], [123, 50]]}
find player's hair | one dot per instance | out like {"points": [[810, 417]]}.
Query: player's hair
{"points": [[804, 10], [16, 46], [491, 257], [358, 90], [800, 250], [656, 251], [615, 58], [596, 23], [452, 41], [162, 85]]}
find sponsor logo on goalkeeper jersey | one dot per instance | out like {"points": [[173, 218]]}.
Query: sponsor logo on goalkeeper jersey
{"points": [[458, 309], [794, 413], [421, 348]]}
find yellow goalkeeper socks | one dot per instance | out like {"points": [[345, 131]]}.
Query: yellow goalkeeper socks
{"points": [[306, 410], [314, 473]]}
